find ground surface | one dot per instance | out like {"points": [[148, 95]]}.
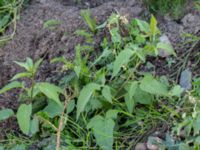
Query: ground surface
{"points": [[32, 40]]}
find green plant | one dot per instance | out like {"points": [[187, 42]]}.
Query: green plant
{"points": [[110, 104], [33, 92], [108, 89], [173, 8], [8, 16], [88, 20]]}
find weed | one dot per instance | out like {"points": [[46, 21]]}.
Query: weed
{"points": [[108, 103]]}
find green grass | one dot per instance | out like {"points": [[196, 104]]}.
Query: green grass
{"points": [[173, 8]]}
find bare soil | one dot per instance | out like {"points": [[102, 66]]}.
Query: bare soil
{"points": [[32, 40]]}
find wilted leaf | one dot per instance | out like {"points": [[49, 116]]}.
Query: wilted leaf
{"points": [[85, 96], [23, 117], [5, 114]]}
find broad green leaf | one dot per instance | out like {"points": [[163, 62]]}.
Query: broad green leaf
{"points": [[112, 114], [24, 117], [122, 59], [129, 99], [106, 92], [51, 91], [143, 97], [22, 75], [70, 106], [53, 109], [177, 91], [34, 126], [19, 147], [4, 21], [143, 26], [165, 49], [10, 86], [103, 131], [150, 85], [116, 37], [85, 96], [5, 114], [196, 125]]}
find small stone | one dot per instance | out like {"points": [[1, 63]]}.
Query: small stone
{"points": [[186, 79], [141, 146]]}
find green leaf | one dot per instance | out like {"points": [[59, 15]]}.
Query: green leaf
{"points": [[23, 117], [22, 75], [10, 86], [85, 96], [34, 126], [112, 114], [165, 49], [106, 92], [70, 106], [177, 91], [51, 91], [153, 26], [5, 114], [184, 146], [53, 109], [196, 125], [28, 65], [143, 26], [4, 21], [19, 147], [103, 131], [122, 59], [116, 37], [51, 23], [153, 86], [88, 20], [129, 100], [105, 54], [77, 70], [143, 97], [36, 65]]}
